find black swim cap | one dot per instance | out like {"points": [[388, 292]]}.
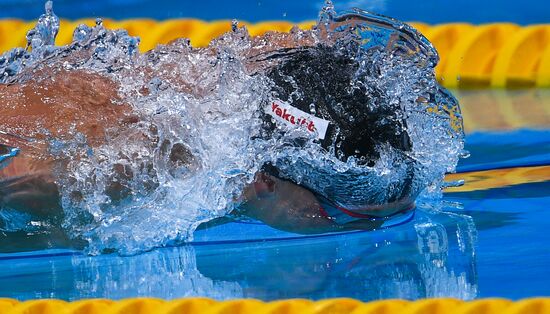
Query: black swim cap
{"points": [[351, 118]]}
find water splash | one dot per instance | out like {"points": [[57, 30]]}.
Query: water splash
{"points": [[206, 104], [46, 29]]}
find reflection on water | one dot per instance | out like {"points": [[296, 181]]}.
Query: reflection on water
{"points": [[429, 257], [501, 110]]}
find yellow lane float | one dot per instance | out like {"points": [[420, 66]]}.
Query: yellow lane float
{"points": [[298, 306]]}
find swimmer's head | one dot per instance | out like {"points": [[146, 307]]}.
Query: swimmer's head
{"points": [[316, 88]]}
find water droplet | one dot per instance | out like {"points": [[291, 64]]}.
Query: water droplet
{"points": [[327, 13], [234, 25], [453, 184], [81, 33], [45, 30], [155, 84], [312, 109], [464, 153], [49, 7]]}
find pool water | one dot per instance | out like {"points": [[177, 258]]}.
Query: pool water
{"points": [[487, 238]]}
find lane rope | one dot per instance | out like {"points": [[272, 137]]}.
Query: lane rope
{"points": [[301, 306]]}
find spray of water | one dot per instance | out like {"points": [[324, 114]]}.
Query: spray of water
{"points": [[207, 106]]}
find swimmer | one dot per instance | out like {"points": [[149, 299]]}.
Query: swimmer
{"points": [[79, 101], [65, 102]]}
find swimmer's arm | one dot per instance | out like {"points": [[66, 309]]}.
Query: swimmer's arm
{"points": [[32, 112]]}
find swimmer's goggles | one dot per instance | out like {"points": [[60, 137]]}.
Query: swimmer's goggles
{"points": [[343, 216]]}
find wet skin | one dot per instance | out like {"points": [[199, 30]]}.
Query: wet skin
{"points": [[76, 101], [64, 104]]}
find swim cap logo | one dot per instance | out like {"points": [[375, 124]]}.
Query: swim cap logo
{"points": [[285, 113]]}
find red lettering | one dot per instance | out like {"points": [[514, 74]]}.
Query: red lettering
{"points": [[286, 116], [311, 126]]}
